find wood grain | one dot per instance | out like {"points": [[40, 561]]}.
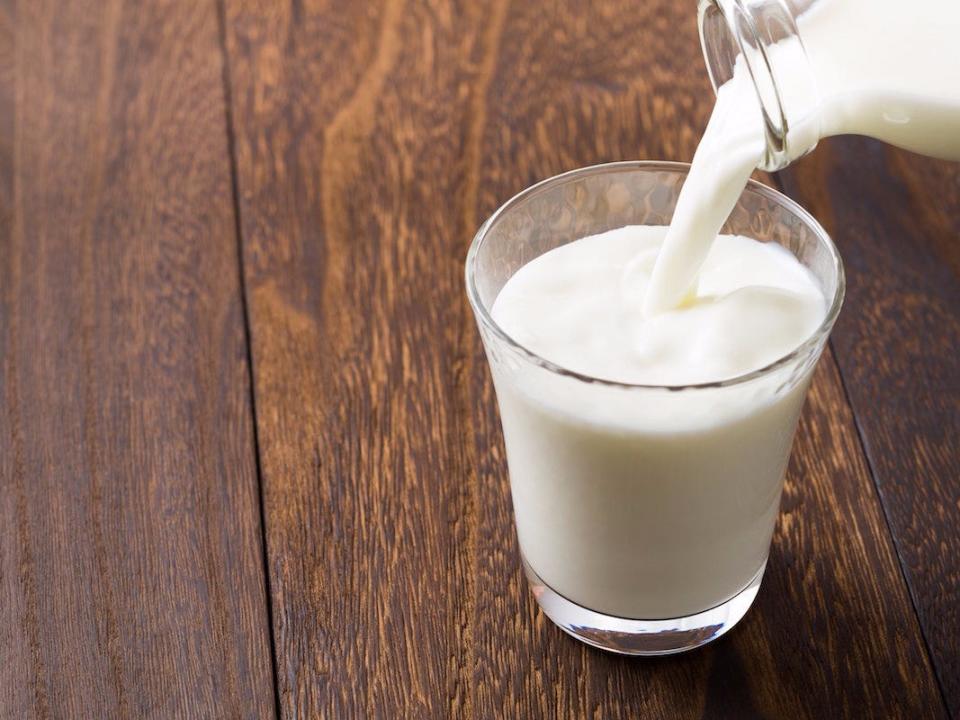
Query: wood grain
{"points": [[371, 140], [131, 574], [896, 219]]}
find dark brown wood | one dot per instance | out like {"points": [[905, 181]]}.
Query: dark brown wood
{"points": [[896, 219], [131, 571], [371, 140]]}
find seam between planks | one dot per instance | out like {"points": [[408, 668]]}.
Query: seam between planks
{"points": [[901, 563], [109, 636], [248, 339], [25, 572], [490, 48]]}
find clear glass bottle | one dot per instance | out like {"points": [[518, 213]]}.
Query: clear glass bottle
{"points": [[830, 67]]}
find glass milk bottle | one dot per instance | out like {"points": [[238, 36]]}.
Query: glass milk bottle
{"points": [[883, 68]]}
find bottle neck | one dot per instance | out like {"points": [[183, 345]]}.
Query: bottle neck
{"points": [[765, 34]]}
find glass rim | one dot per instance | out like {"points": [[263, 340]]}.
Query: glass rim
{"points": [[486, 319]]}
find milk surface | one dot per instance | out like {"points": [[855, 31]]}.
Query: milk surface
{"points": [[755, 303]]}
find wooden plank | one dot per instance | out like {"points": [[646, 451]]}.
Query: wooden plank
{"points": [[896, 218], [371, 140], [131, 569], [350, 136]]}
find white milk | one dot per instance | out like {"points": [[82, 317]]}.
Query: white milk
{"points": [[883, 68], [658, 504]]}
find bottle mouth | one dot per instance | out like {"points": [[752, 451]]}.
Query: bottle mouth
{"points": [[728, 29]]}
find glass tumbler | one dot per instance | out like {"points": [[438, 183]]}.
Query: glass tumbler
{"points": [[644, 513]]}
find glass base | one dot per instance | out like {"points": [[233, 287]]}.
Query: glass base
{"points": [[642, 637]]}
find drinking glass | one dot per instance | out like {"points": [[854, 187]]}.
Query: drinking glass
{"points": [[644, 513]]}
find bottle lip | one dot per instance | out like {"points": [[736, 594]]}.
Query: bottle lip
{"points": [[728, 29]]}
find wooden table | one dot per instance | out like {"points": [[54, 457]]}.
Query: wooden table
{"points": [[251, 463]]}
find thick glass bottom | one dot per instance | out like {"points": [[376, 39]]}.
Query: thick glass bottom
{"points": [[642, 637]]}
